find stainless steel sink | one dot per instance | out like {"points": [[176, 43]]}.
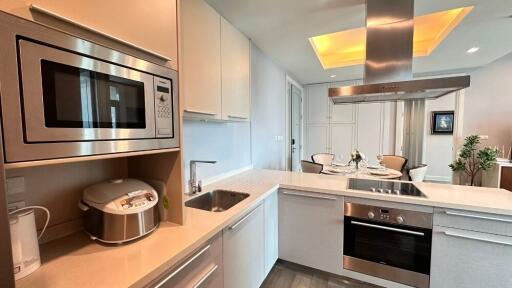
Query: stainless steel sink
{"points": [[216, 200]]}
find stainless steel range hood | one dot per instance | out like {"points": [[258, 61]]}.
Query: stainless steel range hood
{"points": [[388, 64]]}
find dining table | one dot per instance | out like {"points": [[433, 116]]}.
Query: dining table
{"points": [[372, 172]]}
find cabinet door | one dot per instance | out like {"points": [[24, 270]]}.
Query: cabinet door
{"points": [[369, 130], [467, 259], [202, 269], [271, 231], [318, 103], [310, 229], [342, 140], [343, 113], [244, 251], [317, 140], [235, 59], [200, 68]]}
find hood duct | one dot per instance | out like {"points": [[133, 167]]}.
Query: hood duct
{"points": [[388, 64]]}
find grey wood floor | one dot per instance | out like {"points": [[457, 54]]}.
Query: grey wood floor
{"points": [[290, 275]]}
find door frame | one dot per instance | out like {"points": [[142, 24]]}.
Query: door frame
{"points": [[287, 143]]}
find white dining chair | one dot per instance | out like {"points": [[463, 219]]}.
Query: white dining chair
{"points": [[323, 158], [418, 173]]}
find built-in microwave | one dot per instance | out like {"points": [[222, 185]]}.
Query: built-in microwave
{"points": [[63, 96]]}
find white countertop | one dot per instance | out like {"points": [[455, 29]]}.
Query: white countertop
{"points": [[76, 261]]}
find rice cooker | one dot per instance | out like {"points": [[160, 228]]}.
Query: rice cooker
{"points": [[119, 210]]}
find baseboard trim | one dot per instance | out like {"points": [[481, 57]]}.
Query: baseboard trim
{"points": [[438, 178]]}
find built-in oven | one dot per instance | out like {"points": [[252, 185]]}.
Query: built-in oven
{"points": [[63, 96], [388, 243]]}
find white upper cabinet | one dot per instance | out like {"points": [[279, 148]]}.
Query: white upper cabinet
{"points": [[235, 63], [343, 113], [201, 63], [318, 104], [317, 140]]}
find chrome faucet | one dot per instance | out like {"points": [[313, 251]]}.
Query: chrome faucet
{"points": [[194, 185]]}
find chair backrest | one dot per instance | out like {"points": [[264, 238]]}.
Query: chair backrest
{"points": [[418, 173], [394, 162], [311, 167], [323, 158]]}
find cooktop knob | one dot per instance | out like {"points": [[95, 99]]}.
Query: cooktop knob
{"points": [[381, 190], [399, 219], [373, 189], [388, 191], [371, 215]]}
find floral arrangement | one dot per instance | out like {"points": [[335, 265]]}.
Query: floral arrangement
{"points": [[356, 157]]}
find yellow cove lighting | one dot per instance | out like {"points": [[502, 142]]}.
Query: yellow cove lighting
{"points": [[346, 48]]}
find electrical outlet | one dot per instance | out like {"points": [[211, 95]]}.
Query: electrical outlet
{"points": [[15, 185], [15, 205]]}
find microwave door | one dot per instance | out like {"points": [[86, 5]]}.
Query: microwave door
{"points": [[69, 97]]}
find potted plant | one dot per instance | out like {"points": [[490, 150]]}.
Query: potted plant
{"points": [[356, 157], [471, 160]]}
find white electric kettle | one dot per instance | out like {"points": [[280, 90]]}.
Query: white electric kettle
{"points": [[24, 240]]}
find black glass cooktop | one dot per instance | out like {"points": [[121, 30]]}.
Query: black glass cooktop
{"points": [[385, 187]]}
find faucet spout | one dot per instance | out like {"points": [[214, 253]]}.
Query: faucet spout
{"points": [[194, 185]]}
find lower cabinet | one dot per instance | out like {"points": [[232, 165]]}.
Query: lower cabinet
{"points": [[310, 229], [468, 259], [244, 251], [202, 269], [271, 231], [471, 249]]}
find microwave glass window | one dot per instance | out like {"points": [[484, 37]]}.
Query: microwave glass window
{"points": [[80, 98]]}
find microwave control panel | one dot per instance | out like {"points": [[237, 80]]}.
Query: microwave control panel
{"points": [[163, 108]]}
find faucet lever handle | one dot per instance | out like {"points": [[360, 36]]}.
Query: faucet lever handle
{"points": [[199, 185]]}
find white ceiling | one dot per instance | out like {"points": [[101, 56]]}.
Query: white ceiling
{"points": [[281, 29]]}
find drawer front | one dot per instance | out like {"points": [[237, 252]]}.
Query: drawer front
{"points": [[475, 221], [203, 268], [468, 259]]}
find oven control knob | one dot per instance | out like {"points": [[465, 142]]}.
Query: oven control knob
{"points": [[399, 219], [381, 190], [163, 98], [371, 215], [373, 189]]}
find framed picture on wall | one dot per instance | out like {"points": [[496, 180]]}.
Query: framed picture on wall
{"points": [[442, 122]]}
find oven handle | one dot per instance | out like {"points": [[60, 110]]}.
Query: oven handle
{"points": [[387, 228]]}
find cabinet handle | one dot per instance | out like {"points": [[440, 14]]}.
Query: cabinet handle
{"points": [[39, 9], [310, 196], [206, 276], [476, 238], [388, 228], [237, 117], [200, 112], [453, 213], [183, 266], [243, 219]]}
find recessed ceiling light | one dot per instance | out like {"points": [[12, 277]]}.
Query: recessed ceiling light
{"points": [[473, 49], [332, 76]]}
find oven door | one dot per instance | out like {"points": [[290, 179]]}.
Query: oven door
{"points": [[394, 252], [69, 97]]}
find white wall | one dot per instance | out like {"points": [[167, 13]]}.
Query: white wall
{"points": [[227, 143], [488, 103], [268, 112], [438, 149]]}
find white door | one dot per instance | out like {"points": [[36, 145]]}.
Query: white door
{"points": [[318, 104], [317, 140], [342, 141], [369, 130], [296, 127]]}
